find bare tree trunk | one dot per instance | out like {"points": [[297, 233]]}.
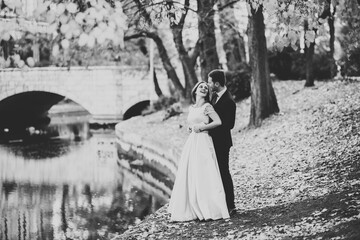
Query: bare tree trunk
{"points": [[331, 21], [263, 99], [36, 52], [332, 47], [309, 51], [233, 42], [188, 68], [152, 69], [186, 60], [65, 198], [330, 15], [5, 48], [209, 59], [309, 56], [170, 70], [158, 91]]}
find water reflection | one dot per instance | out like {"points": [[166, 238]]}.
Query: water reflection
{"points": [[65, 189], [40, 149]]}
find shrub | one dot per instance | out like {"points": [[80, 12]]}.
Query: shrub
{"points": [[290, 65], [163, 102], [173, 110], [322, 66], [350, 66], [238, 83], [281, 64]]}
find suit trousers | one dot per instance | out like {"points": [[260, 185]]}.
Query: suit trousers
{"points": [[222, 155]]}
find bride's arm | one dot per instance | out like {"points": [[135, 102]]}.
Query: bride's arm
{"points": [[216, 121]]}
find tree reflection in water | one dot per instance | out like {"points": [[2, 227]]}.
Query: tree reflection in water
{"points": [[41, 149], [65, 195], [71, 190]]}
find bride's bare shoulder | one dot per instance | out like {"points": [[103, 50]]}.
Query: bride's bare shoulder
{"points": [[208, 108]]}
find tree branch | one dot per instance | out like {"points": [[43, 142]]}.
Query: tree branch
{"points": [[134, 36], [195, 53], [183, 16], [227, 5], [143, 12]]}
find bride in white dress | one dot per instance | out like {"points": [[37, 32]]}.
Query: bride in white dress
{"points": [[198, 191]]}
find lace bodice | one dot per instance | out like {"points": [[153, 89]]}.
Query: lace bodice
{"points": [[199, 114]]}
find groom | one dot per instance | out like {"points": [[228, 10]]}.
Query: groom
{"points": [[225, 107]]}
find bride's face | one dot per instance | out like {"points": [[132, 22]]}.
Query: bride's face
{"points": [[202, 90]]}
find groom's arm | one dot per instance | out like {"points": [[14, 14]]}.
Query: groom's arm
{"points": [[228, 114], [232, 114]]}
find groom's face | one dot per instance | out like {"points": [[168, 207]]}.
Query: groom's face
{"points": [[212, 85]]}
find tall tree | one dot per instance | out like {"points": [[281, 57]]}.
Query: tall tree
{"points": [[209, 59], [348, 12], [149, 30], [263, 99], [309, 56], [187, 58], [144, 50], [326, 13], [331, 23], [233, 41]]}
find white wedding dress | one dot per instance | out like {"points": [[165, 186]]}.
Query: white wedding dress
{"points": [[198, 191]]}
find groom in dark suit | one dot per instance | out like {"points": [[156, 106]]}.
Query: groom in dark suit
{"points": [[225, 107]]}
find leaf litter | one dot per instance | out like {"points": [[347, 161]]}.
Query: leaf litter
{"points": [[295, 177]]}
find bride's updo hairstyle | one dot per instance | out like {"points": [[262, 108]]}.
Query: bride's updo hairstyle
{"points": [[193, 92]]}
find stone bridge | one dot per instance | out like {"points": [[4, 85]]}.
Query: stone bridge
{"points": [[105, 92]]}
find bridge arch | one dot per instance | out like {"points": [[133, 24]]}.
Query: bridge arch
{"points": [[59, 92], [27, 109], [136, 109], [105, 92]]}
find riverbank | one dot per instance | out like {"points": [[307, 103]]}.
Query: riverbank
{"points": [[298, 176]]}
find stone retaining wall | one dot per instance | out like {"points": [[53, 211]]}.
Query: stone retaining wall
{"points": [[159, 156]]}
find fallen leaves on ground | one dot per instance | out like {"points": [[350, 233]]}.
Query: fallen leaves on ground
{"points": [[296, 177]]}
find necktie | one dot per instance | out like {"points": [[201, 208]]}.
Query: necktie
{"points": [[214, 97]]}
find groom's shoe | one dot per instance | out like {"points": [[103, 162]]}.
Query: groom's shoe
{"points": [[232, 211]]}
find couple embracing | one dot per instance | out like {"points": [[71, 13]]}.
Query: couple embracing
{"points": [[203, 187]]}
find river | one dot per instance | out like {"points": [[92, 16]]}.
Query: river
{"points": [[73, 186]]}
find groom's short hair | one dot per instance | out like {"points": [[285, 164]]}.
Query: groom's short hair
{"points": [[218, 75]]}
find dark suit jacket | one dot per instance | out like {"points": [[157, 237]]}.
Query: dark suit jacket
{"points": [[226, 109]]}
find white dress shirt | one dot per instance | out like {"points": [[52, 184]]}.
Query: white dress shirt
{"points": [[220, 94]]}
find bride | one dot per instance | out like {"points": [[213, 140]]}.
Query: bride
{"points": [[198, 191]]}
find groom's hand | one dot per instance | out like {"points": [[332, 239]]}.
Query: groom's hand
{"points": [[197, 128]]}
